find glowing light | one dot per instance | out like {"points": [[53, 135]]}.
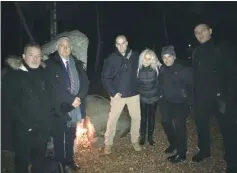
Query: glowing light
{"points": [[85, 132], [189, 45]]}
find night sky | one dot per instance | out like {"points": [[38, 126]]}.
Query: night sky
{"points": [[141, 22]]}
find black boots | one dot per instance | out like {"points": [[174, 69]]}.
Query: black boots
{"points": [[200, 156], [150, 138], [142, 139], [147, 114]]}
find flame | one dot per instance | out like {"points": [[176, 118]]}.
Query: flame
{"points": [[85, 131]]}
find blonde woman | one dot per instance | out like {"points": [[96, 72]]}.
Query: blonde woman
{"points": [[148, 88]]}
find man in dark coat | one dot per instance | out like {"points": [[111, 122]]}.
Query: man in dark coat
{"points": [[27, 102], [215, 89], [70, 87], [119, 78], [176, 87]]}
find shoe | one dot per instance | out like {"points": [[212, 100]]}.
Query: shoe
{"points": [[107, 149], [142, 142], [152, 142], [176, 158], [137, 147], [150, 139], [71, 168], [170, 150], [200, 156]]}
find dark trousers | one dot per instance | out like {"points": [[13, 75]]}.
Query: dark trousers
{"points": [[227, 122], [173, 119], [147, 117], [29, 149], [63, 151]]}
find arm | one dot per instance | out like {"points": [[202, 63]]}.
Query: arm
{"points": [[84, 81], [188, 79], [11, 98], [107, 76], [161, 81]]}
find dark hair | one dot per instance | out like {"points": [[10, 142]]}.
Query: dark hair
{"points": [[32, 44]]}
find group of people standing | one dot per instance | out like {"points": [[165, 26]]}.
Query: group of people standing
{"points": [[47, 98], [208, 88]]}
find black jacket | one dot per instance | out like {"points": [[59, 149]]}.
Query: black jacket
{"points": [[176, 83], [26, 97], [62, 98], [119, 74], [215, 70], [148, 85]]}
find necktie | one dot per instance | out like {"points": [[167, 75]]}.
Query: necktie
{"points": [[69, 71]]}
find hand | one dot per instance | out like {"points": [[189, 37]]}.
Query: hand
{"points": [[118, 95], [76, 102]]}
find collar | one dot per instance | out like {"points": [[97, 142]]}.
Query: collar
{"points": [[64, 60]]}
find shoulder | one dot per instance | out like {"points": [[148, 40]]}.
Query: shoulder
{"points": [[79, 63]]}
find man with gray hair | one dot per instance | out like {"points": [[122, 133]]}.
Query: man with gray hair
{"points": [[69, 90], [119, 78]]}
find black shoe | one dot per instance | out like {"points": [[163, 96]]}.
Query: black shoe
{"points": [[150, 138], [143, 139], [200, 156], [72, 167], [151, 142], [170, 150], [176, 158]]}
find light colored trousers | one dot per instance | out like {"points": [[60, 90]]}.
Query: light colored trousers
{"points": [[117, 105]]}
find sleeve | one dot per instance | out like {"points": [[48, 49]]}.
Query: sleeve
{"points": [[11, 97], [107, 76], [188, 79], [84, 84], [161, 81]]}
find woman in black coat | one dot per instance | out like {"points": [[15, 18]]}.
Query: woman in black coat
{"points": [[148, 89]]}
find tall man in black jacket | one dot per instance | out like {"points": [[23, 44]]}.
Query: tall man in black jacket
{"points": [[120, 81], [215, 90], [70, 87]]}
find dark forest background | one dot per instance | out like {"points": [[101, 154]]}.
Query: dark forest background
{"points": [[142, 22]]}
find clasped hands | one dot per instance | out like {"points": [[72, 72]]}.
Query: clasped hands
{"points": [[76, 102]]}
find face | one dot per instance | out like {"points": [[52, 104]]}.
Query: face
{"points": [[168, 60], [121, 44], [147, 60], [64, 48], [203, 33], [33, 57]]}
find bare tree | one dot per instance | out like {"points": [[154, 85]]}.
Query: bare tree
{"points": [[53, 17], [23, 20], [97, 61], [165, 27]]}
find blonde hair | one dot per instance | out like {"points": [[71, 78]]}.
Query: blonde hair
{"points": [[154, 60]]}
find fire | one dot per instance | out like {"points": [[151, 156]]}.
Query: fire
{"points": [[84, 133]]}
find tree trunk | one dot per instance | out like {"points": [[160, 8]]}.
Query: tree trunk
{"points": [[23, 21], [53, 16], [165, 28], [97, 61]]}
